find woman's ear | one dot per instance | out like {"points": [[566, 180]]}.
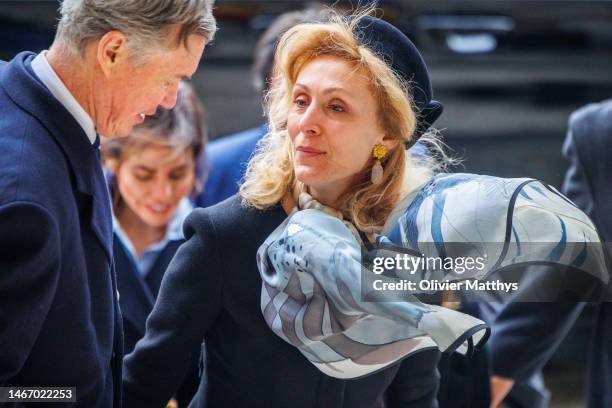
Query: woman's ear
{"points": [[390, 143]]}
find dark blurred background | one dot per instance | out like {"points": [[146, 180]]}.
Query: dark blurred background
{"points": [[508, 72]]}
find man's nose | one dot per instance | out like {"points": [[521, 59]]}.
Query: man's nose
{"points": [[170, 97]]}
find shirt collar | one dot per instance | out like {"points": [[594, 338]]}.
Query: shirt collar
{"points": [[54, 84], [174, 232]]}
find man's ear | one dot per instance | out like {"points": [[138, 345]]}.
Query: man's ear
{"points": [[111, 51]]}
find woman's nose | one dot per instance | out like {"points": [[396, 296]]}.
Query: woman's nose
{"points": [[162, 190], [311, 121]]}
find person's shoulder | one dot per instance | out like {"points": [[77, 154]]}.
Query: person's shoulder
{"points": [[594, 110], [219, 212], [232, 219], [31, 161], [224, 213], [594, 118], [11, 110]]}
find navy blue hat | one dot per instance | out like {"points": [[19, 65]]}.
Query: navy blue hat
{"points": [[405, 59]]}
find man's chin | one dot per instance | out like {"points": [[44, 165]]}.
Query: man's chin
{"points": [[118, 132]]}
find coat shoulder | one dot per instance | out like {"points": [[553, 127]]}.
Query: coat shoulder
{"points": [[231, 222], [592, 123], [32, 164]]}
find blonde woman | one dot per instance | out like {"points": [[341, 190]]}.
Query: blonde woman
{"points": [[336, 104], [270, 278]]}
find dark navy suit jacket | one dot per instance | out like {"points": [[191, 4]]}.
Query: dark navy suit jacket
{"points": [[228, 157], [60, 323], [533, 331]]}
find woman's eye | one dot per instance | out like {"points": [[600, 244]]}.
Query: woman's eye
{"points": [[178, 176], [336, 108], [300, 103], [142, 177]]}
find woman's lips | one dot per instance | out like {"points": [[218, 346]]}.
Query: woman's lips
{"points": [[309, 151], [159, 209]]}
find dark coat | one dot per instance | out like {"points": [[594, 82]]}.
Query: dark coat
{"points": [[60, 323], [589, 184], [137, 297], [212, 291], [533, 331]]}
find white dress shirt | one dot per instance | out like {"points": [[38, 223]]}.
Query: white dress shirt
{"points": [[54, 84]]}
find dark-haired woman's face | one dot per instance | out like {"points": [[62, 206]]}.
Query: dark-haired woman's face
{"points": [[153, 181], [333, 125]]}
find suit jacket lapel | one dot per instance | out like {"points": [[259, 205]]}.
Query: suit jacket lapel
{"points": [[135, 297], [101, 213]]}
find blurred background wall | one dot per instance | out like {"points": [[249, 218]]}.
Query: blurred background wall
{"points": [[508, 72]]}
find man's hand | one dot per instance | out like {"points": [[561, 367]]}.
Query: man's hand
{"points": [[500, 387]]}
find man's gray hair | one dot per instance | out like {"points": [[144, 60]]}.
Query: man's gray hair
{"points": [[144, 22]]}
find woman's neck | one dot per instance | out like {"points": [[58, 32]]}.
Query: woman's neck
{"points": [[328, 197], [141, 235]]}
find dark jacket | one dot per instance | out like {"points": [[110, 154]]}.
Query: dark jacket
{"points": [[212, 290], [137, 297], [589, 184], [138, 294], [533, 331], [60, 323]]}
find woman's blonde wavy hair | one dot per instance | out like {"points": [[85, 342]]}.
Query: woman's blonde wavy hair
{"points": [[270, 172]]}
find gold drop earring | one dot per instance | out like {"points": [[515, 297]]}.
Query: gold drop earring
{"points": [[378, 152]]}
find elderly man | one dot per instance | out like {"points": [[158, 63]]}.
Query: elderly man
{"points": [[112, 63]]}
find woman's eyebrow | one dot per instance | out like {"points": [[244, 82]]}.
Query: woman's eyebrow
{"points": [[143, 167], [326, 90], [299, 85], [180, 167], [337, 89]]}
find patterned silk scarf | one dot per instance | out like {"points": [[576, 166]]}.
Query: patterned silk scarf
{"points": [[307, 202], [315, 282]]}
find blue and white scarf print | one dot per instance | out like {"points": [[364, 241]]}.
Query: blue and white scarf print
{"points": [[311, 268]]}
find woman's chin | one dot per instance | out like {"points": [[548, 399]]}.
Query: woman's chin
{"points": [[309, 175], [309, 179], [156, 221]]}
